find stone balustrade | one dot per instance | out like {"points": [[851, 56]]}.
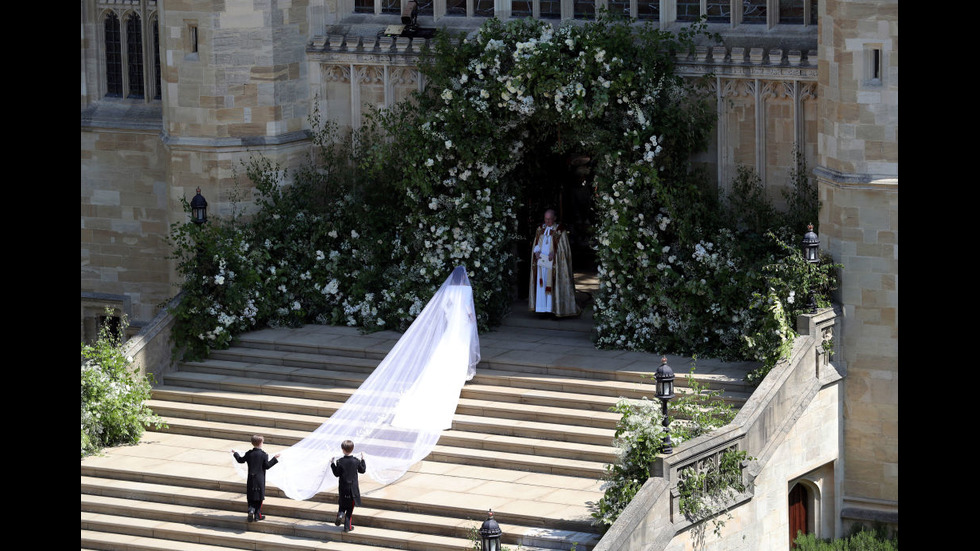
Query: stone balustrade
{"points": [[653, 518]]}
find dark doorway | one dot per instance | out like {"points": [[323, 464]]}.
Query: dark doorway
{"points": [[798, 512], [562, 182]]}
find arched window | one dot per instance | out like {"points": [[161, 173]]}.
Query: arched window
{"points": [[134, 51], [113, 57], [132, 68], [155, 25]]}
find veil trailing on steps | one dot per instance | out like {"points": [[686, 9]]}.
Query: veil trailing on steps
{"points": [[397, 414]]}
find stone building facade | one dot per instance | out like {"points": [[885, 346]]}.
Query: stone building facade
{"points": [[177, 93]]}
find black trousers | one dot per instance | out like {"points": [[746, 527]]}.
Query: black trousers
{"points": [[346, 508]]}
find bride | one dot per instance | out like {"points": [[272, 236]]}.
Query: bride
{"points": [[397, 415]]}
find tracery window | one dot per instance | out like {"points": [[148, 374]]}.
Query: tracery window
{"points": [[648, 10], [113, 57], [130, 46], [134, 50], [754, 11]]}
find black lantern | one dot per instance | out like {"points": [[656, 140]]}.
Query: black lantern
{"points": [[811, 252], [811, 245], [199, 208], [665, 392], [490, 534]]}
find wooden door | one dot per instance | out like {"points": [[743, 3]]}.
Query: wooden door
{"points": [[798, 513]]}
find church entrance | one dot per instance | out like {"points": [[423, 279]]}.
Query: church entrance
{"points": [[563, 182]]}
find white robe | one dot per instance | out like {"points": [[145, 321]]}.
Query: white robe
{"points": [[542, 297]]}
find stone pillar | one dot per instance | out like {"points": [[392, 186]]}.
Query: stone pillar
{"points": [[857, 173]]}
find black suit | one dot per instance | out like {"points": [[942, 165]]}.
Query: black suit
{"points": [[349, 493], [258, 462]]}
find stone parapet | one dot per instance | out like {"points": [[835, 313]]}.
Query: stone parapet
{"points": [[762, 428]]}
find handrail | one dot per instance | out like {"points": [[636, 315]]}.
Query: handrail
{"points": [[150, 349], [653, 517]]}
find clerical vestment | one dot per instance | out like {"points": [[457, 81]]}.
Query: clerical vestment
{"points": [[552, 286]]}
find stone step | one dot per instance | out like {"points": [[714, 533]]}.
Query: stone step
{"points": [[157, 501], [305, 415], [253, 348], [268, 535], [196, 464], [566, 412], [602, 394], [459, 448], [321, 409]]}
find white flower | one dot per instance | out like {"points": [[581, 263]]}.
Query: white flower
{"points": [[219, 279], [429, 162], [447, 94], [449, 144], [792, 297]]}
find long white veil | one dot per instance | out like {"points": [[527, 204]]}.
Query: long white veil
{"points": [[397, 415]]}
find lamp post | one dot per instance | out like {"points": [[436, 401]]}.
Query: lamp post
{"points": [[199, 208], [665, 392], [490, 534], [811, 252]]}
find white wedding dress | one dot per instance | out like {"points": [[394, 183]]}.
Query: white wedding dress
{"points": [[398, 413]]}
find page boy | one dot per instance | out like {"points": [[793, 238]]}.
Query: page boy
{"points": [[258, 462], [349, 494]]}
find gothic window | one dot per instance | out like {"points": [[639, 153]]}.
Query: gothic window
{"points": [[113, 57], [550, 9], [456, 7], [688, 10], [797, 12], [391, 6], [754, 11], [483, 8], [719, 11], [584, 9], [134, 50], [520, 8], [132, 71], [619, 7], [648, 10], [156, 58]]}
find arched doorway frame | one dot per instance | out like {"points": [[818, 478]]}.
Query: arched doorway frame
{"points": [[813, 501]]}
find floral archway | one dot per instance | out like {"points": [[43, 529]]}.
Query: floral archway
{"points": [[610, 89]]}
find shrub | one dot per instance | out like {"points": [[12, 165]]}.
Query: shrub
{"points": [[861, 539], [114, 411]]}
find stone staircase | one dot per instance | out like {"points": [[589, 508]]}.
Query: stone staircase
{"points": [[530, 439]]}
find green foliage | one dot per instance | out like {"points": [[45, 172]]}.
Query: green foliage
{"points": [[640, 439], [790, 279], [113, 396], [223, 271], [364, 233], [706, 489], [861, 539]]}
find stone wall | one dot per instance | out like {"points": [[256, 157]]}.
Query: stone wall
{"points": [[125, 219], [858, 185], [808, 454]]}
